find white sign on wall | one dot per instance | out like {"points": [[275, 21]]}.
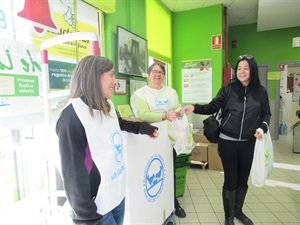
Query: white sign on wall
{"points": [[196, 81]]}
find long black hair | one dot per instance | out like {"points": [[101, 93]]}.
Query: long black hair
{"points": [[254, 82]]}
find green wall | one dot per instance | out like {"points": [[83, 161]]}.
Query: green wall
{"points": [[191, 30], [192, 33], [129, 14], [191, 40], [267, 47]]}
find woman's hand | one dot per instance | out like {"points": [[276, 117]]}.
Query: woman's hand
{"points": [[155, 134], [187, 109], [259, 133], [172, 115]]}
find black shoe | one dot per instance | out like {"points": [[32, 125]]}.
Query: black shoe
{"points": [[180, 212], [243, 218]]}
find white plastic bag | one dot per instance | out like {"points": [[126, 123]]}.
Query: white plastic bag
{"points": [[262, 160], [180, 133]]}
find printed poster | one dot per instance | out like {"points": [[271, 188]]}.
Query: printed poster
{"points": [[197, 81]]}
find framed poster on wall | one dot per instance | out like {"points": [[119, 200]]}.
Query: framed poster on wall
{"points": [[132, 53], [120, 88], [136, 84]]}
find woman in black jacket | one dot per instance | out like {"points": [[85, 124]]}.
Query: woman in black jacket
{"points": [[245, 117]]}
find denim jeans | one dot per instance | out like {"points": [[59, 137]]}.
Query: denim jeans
{"points": [[115, 216]]}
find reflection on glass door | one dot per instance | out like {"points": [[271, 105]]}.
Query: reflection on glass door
{"points": [[28, 179]]}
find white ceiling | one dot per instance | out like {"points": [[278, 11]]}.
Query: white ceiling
{"points": [[268, 14]]}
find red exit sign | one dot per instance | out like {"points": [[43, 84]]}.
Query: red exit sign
{"points": [[216, 42]]}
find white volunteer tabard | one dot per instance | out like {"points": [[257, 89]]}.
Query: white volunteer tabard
{"points": [[150, 178]]}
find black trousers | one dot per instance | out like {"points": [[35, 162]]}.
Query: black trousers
{"points": [[237, 157]]}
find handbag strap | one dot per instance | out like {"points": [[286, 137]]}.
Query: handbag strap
{"points": [[227, 95], [220, 110]]}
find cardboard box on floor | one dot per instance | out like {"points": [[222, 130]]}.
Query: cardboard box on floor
{"points": [[214, 160], [199, 152], [212, 156], [200, 138]]}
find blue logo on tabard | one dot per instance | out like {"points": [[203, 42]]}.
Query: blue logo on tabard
{"points": [[154, 177], [162, 102], [118, 147]]}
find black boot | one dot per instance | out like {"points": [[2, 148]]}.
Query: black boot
{"points": [[240, 195], [228, 202], [179, 211]]}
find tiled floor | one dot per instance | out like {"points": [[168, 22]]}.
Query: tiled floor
{"points": [[278, 202]]}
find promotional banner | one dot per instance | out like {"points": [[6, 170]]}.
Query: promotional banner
{"points": [[150, 178], [19, 81], [34, 21], [24, 25], [60, 74]]}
